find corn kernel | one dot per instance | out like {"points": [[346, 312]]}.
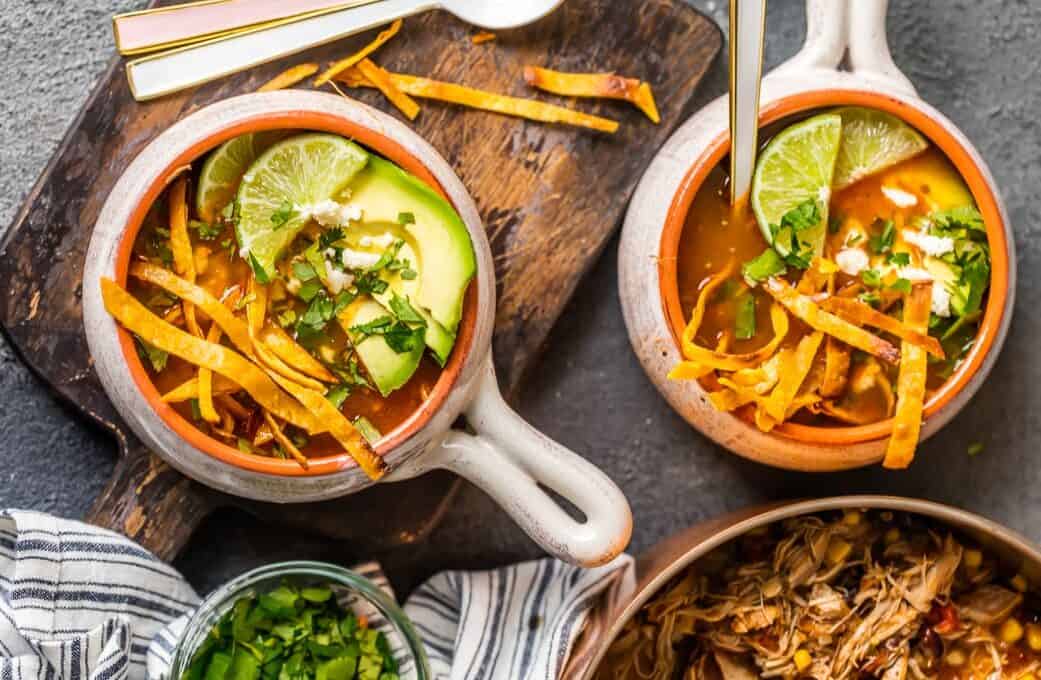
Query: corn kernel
{"points": [[802, 659], [1034, 636], [851, 518], [838, 550], [1019, 583], [892, 536], [955, 657], [973, 559], [1011, 631]]}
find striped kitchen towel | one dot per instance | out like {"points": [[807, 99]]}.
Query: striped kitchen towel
{"points": [[82, 603], [515, 623], [78, 602]]}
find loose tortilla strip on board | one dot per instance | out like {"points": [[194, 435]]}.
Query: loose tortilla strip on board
{"points": [[600, 85], [862, 314], [910, 384], [136, 318], [338, 426], [531, 109], [291, 76], [344, 64], [808, 311], [387, 85]]}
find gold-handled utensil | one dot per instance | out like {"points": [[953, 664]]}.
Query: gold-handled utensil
{"points": [[747, 27]]}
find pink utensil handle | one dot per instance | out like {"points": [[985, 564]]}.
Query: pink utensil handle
{"points": [[137, 32]]}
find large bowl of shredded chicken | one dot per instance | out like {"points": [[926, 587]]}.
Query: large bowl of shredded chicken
{"points": [[855, 587]]}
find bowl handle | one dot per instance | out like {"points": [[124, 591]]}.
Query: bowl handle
{"points": [[826, 38], [869, 54], [515, 463]]}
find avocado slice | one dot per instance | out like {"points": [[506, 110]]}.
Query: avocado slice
{"points": [[444, 252], [388, 369]]}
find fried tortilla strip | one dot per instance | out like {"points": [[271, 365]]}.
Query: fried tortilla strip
{"points": [[230, 404], [601, 85], [291, 76], [232, 326], [910, 383], [284, 441], [181, 246], [862, 314], [791, 374], [735, 362], [424, 88], [268, 360], [189, 389], [205, 384], [344, 64], [256, 306], [692, 370], [388, 86], [805, 309], [845, 415], [338, 426], [836, 367], [286, 349], [136, 318]]}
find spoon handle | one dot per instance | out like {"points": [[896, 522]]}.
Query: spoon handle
{"points": [[158, 28], [747, 25], [166, 72]]}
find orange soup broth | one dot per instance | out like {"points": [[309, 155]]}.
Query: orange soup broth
{"points": [[219, 270], [717, 234]]}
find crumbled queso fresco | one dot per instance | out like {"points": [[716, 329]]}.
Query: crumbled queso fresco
{"points": [[941, 302], [329, 213], [934, 246]]}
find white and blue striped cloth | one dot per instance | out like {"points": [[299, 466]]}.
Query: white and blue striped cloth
{"points": [[81, 603]]}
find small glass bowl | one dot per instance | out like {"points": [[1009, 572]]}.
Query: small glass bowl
{"points": [[268, 577]]}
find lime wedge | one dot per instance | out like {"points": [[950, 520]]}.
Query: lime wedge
{"points": [[794, 168], [872, 141], [276, 190], [224, 168]]}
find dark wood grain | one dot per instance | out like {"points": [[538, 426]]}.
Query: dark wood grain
{"points": [[550, 196]]}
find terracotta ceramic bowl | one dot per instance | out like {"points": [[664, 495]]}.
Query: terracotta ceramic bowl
{"points": [[670, 557], [506, 457], [651, 236]]}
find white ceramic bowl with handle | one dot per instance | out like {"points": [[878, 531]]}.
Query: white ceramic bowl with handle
{"points": [[811, 80], [505, 456]]}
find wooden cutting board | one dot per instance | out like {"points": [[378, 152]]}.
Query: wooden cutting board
{"points": [[550, 196]]}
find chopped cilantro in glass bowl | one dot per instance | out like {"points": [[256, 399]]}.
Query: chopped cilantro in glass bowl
{"points": [[299, 621]]}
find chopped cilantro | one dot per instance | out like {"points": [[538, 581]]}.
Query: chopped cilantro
{"points": [[405, 311], [901, 285], [244, 445], [258, 271], [311, 324], [398, 335], [406, 218], [407, 274], [370, 282], [196, 411], [834, 223], [853, 239], [870, 298], [744, 320], [285, 212], [303, 271], [308, 290], [156, 357], [207, 232], [387, 257], [376, 326], [287, 318], [871, 278], [882, 241], [760, 268], [898, 259], [343, 298], [328, 238], [802, 217], [965, 218]]}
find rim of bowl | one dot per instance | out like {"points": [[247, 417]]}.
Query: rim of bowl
{"points": [[991, 323], [678, 551], [319, 465], [214, 605]]}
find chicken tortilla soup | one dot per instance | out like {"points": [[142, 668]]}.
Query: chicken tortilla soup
{"points": [[846, 291], [297, 296]]}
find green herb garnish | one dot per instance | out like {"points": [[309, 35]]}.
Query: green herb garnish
{"points": [[337, 394], [292, 633], [367, 429], [285, 212], [901, 285], [871, 278], [802, 217], [406, 218], [760, 268], [156, 357], [898, 259], [328, 238], [744, 320], [207, 232], [882, 242]]}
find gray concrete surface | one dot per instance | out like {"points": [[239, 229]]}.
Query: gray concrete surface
{"points": [[976, 60]]}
